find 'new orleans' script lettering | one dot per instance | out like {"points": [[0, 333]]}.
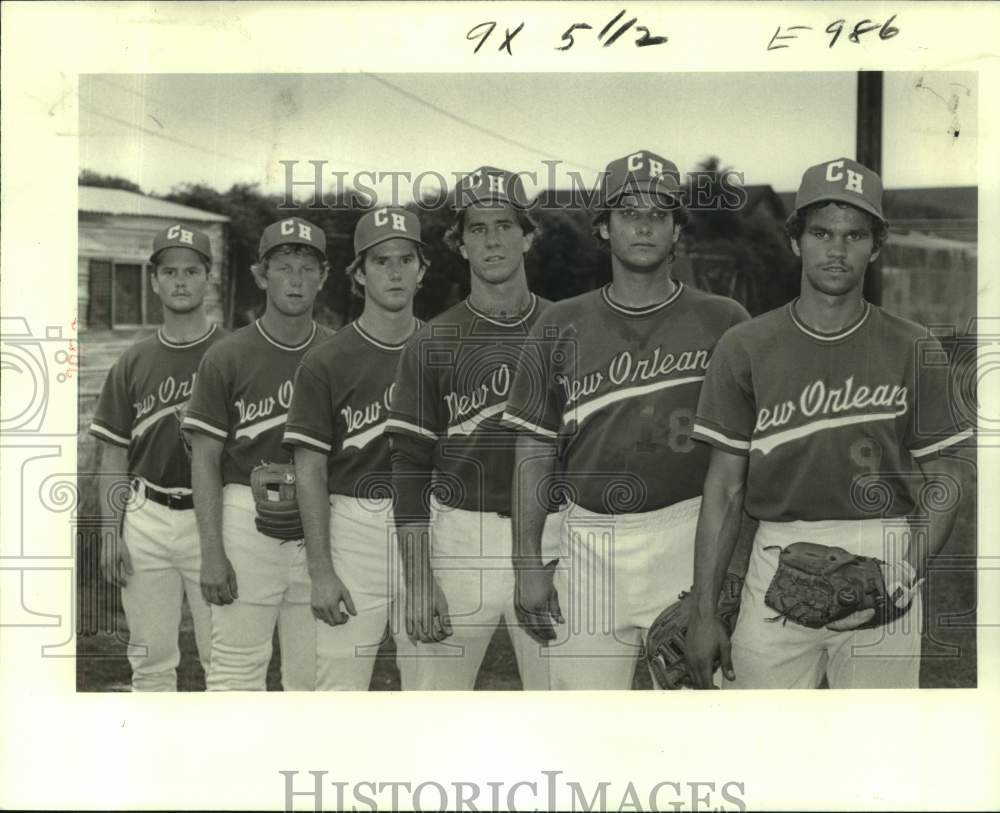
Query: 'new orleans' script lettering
{"points": [[624, 368], [168, 392], [255, 410], [818, 399], [459, 406], [358, 419]]}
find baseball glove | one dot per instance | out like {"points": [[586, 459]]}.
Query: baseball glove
{"points": [[824, 586], [273, 486], [665, 643]]}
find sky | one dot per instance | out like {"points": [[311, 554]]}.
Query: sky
{"points": [[163, 130]]}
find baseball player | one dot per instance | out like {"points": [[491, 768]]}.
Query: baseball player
{"points": [[336, 424], [609, 396], [157, 558], [824, 422], [252, 577], [444, 425]]}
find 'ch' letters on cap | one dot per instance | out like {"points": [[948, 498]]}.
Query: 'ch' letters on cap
{"points": [[835, 171], [383, 217], [843, 180]]}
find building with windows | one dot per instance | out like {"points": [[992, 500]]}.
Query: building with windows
{"points": [[116, 230]]}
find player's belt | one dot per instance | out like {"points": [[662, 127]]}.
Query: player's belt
{"points": [[502, 514], [177, 502]]}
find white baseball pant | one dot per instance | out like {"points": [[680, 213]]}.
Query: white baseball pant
{"points": [[166, 560], [616, 574], [774, 655], [364, 548], [471, 559], [273, 584]]}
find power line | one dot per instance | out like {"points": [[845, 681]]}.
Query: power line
{"points": [[485, 131], [249, 132], [159, 102], [146, 98], [165, 137], [340, 160]]}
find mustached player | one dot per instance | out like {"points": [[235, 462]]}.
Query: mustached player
{"points": [[824, 422], [451, 389], [608, 397], [336, 425], [157, 558], [236, 419]]}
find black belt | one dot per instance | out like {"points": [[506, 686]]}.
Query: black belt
{"points": [[177, 502], [501, 514]]}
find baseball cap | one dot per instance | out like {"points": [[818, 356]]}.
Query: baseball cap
{"points": [[642, 171], [293, 230], [384, 224], [181, 236], [490, 185], [841, 180]]}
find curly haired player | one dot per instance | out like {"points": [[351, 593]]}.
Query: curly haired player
{"points": [[811, 410], [157, 557], [451, 388], [608, 396], [336, 424], [256, 578]]}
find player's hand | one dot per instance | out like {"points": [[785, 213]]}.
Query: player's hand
{"points": [[707, 645], [536, 602], [328, 592], [427, 618], [218, 580], [116, 562], [901, 586]]}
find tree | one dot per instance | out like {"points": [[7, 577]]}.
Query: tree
{"points": [[90, 178], [736, 252], [249, 212], [566, 259], [712, 218]]}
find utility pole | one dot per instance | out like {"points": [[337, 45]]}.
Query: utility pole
{"points": [[868, 149]]}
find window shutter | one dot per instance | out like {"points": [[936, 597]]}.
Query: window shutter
{"points": [[153, 306], [99, 306], [127, 295]]}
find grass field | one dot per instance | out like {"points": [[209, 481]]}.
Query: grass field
{"points": [[949, 645]]}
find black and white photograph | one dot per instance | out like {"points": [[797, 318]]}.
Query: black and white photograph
{"points": [[450, 397], [494, 384]]}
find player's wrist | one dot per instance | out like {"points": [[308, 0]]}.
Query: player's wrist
{"points": [[417, 569], [420, 570], [212, 552], [704, 606], [321, 570], [527, 562], [414, 548]]}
